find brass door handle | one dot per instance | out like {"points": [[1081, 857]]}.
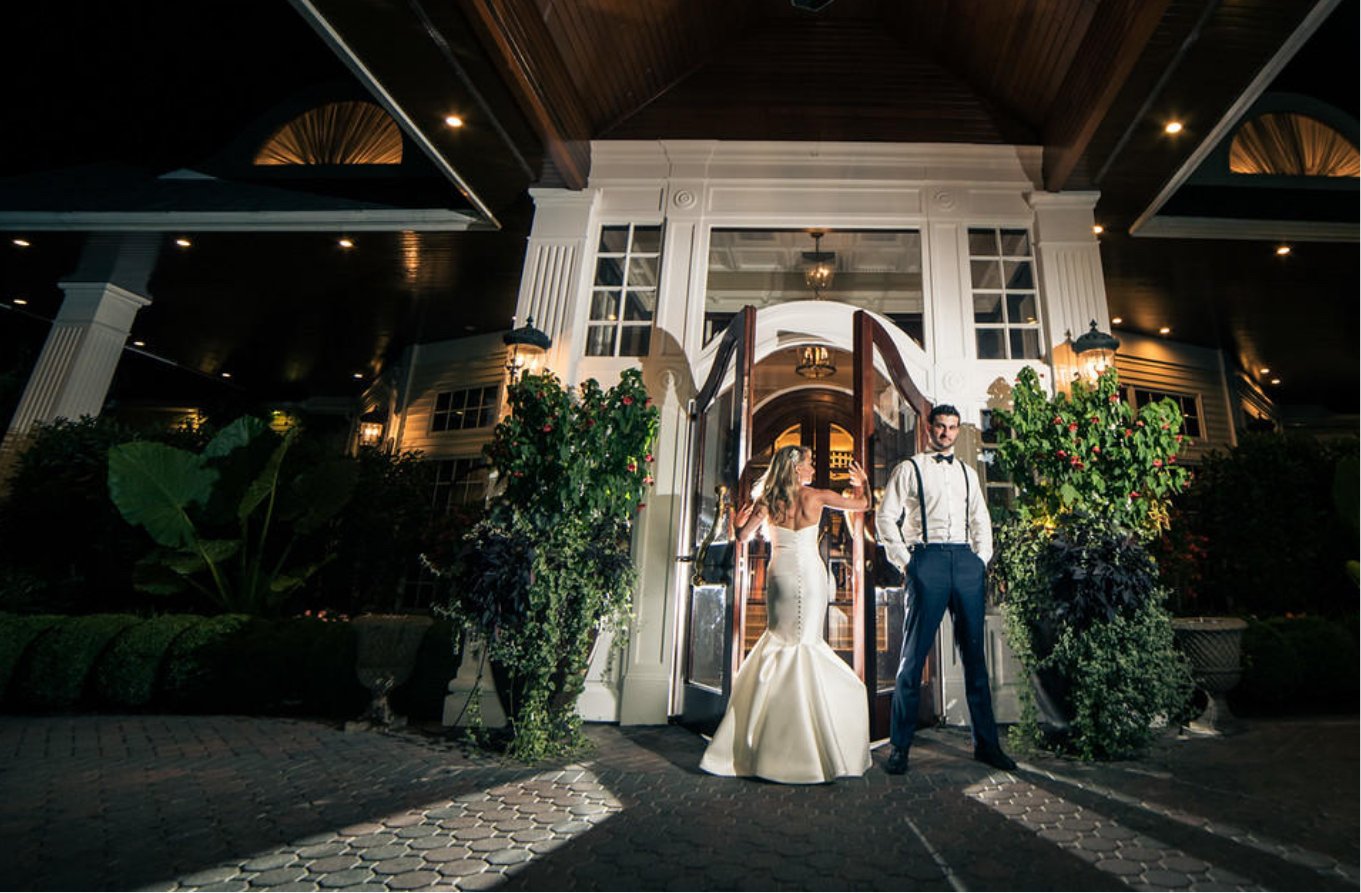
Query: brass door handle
{"points": [[702, 550]]}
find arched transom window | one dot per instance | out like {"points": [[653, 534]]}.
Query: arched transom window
{"points": [[1290, 144], [335, 133]]}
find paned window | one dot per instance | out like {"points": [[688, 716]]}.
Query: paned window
{"points": [[468, 408], [1000, 491], [624, 294], [1188, 403], [459, 482], [1005, 298]]}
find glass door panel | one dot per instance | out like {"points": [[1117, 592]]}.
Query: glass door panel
{"points": [[721, 436], [890, 411]]}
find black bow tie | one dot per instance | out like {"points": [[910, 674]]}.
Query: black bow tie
{"points": [[942, 457]]}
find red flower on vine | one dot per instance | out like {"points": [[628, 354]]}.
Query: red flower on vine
{"points": [[547, 426], [1157, 463], [1072, 426], [647, 480], [627, 400], [633, 466], [1114, 398], [1134, 494], [647, 458]]}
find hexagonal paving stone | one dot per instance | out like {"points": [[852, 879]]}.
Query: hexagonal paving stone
{"points": [[462, 867], [399, 866], [278, 877], [413, 880], [350, 878]]}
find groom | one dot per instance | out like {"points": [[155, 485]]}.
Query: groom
{"points": [[933, 523]]}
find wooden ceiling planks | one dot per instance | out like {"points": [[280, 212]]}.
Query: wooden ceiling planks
{"points": [[823, 79], [621, 54]]}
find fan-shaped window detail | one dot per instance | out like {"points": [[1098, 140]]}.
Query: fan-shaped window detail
{"points": [[335, 133], [1293, 145]]}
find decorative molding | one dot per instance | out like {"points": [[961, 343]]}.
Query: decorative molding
{"points": [[397, 219], [1168, 227], [548, 288]]}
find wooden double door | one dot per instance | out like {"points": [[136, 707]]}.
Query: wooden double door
{"points": [[878, 425]]}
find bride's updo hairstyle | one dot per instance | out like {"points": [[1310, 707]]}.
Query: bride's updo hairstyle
{"points": [[778, 488]]}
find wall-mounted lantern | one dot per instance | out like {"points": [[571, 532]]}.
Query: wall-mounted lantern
{"points": [[528, 345], [1095, 352]]}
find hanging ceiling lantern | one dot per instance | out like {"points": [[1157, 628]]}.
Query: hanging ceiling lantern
{"points": [[815, 362], [819, 267]]}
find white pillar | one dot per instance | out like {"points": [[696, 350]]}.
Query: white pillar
{"points": [[77, 363], [1071, 282], [553, 274]]}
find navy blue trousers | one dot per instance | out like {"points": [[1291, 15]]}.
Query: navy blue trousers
{"points": [[943, 576]]}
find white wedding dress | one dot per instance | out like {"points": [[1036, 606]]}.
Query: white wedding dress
{"points": [[798, 714]]}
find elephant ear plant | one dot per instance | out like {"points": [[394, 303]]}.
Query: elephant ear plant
{"points": [[228, 521], [1083, 606]]}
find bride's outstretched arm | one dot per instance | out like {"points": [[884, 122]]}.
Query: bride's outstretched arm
{"points": [[859, 498]]}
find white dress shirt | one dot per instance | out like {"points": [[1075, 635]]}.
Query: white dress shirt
{"points": [[898, 518]]}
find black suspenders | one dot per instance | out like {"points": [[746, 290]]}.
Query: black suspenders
{"points": [[921, 499]]}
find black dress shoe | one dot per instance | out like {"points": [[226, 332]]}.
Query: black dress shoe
{"points": [[994, 757], [897, 761]]}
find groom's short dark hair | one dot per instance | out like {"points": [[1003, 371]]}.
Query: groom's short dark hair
{"points": [[938, 411]]}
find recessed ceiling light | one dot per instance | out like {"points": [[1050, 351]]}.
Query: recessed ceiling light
{"points": [[454, 121], [1165, 330], [21, 301], [1282, 250], [22, 243], [1275, 381], [358, 375], [226, 375], [183, 242], [1116, 320], [1263, 371], [139, 344], [1098, 229], [345, 243], [1172, 127]]}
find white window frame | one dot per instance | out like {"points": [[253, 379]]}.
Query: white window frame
{"points": [[489, 398], [1005, 326], [616, 323], [1179, 396]]}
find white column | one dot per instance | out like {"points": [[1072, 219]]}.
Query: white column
{"points": [[1071, 283], [649, 664], [71, 378], [553, 276]]}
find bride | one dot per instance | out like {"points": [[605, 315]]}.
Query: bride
{"points": [[798, 714]]}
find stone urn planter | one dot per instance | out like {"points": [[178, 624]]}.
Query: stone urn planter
{"points": [[1214, 646], [387, 645]]}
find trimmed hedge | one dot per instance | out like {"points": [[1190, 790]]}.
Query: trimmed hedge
{"points": [[1297, 665], [17, 632], [198, 666], [222, 664], [56, 666], [127, 674]]}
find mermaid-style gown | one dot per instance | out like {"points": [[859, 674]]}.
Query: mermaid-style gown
{"points": [[797, 714]]}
